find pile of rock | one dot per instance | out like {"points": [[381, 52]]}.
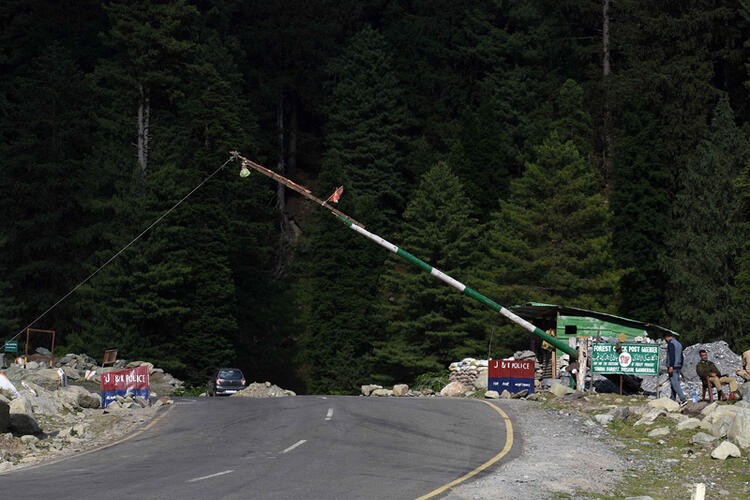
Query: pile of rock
{"points": [[469, 371], [398, 390], [719, 352], [263, 390], [45, 409]]}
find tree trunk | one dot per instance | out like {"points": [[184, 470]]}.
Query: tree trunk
{"points": [[606, 126], [284, 227], [144, 118]]}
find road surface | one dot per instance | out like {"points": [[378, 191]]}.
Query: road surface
{"points": [[312, 447]]}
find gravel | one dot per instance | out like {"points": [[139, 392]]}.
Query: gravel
{"points": [[563, 453]]}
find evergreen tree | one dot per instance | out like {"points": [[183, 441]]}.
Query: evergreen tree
{"points": [[364, 153], [426, 321], [551, 240], [45, 134], [663, 90], [706, 242]]}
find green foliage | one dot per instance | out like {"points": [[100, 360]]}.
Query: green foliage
{"points": [[364, 153], [371, 95], [707, 238], [426, 321]]}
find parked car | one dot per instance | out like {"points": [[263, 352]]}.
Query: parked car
{"points": [[226, 381]]}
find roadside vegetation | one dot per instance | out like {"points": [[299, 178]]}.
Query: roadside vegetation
{"points": [[665, 467]]}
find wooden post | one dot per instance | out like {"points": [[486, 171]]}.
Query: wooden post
{"points": [[583, 361]]}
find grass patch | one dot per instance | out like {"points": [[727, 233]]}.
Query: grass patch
{"points": [[665, 467]]}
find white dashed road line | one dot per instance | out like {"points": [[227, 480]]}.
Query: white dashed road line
{"points": [[209, 476], [329, 415], [298, 443]]}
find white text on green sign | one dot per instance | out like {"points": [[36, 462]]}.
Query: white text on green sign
{"points": [[632, 359]]}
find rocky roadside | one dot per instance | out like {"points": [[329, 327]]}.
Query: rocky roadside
{"points": [[608, 446], [41, 419]]}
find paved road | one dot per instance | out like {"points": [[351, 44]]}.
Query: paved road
{"points": [[312, 447]]}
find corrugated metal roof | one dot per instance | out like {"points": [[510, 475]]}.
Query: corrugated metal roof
{"points": [[537, 310]]}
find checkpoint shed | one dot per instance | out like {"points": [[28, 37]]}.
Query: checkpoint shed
{"points": [[570, 324]]}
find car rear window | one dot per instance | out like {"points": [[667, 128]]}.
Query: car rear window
{"points": [[230, 374]]}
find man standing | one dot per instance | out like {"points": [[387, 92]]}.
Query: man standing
{"points": [[709, 373], [674, 366], [745, 372]]}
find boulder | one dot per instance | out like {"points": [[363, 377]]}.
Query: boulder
{"points": [[491, 395], [22, 419], [745, 391], [400, 390], [702, 438], [45, 377], [691, 423], [80, 397], [381, 393], [4, 414], [718, 421], [367, 389], [739, 430], [651, 415], [659, 432], [604, 418], [454, 389], [726, 450], [665, 404], [71, 373], [558, 389], [505, 394]]}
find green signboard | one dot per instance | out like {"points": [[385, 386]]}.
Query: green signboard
{"points": [[632, 359], [11, 346]]}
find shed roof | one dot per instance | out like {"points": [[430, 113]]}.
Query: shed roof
{"points": [[537, 310]]}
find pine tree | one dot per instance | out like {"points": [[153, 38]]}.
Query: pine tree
{"points": [[364, 153], [551, 240], [706, 242], [45, 134], [426, 321]]}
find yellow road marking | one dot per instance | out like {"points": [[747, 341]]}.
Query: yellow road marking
{"points": [[488, 463]]}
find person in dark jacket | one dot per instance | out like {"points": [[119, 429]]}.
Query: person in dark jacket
{"points": [[710, 374], [674, 366]]}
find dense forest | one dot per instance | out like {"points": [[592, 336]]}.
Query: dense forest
{"points": [[578, 152]]}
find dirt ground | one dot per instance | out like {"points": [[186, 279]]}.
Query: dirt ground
{"points": [[563, 454]]}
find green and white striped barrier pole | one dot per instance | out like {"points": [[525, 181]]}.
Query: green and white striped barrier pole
{"points": [[563, 346], [559, 344]]}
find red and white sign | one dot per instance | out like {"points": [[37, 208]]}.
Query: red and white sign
{"points": [[123, 382]]}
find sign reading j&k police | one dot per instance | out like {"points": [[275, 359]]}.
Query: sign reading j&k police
{"points": [[510, 375], [120, 383]]}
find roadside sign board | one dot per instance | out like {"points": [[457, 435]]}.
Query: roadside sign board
{"points": [[632, 359], [511, 375], [122, 382], [11, 346]]}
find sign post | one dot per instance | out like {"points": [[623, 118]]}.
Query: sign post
{"points": [[630, 359], [513, 376], [120, 383]]}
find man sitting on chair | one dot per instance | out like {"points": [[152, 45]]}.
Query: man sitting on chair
{"points": [[710, 374]]}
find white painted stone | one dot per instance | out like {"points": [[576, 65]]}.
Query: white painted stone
{"points": [[726, 450]]}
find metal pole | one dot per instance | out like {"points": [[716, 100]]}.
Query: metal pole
{"points": [[359, 228]]}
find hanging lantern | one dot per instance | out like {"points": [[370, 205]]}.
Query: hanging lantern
{"points": [[244, 171]]}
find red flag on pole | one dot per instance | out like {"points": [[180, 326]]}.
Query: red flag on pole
{"points": [[336, 195]]}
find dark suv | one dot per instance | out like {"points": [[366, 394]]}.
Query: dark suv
{"points": [[226, 381]]}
